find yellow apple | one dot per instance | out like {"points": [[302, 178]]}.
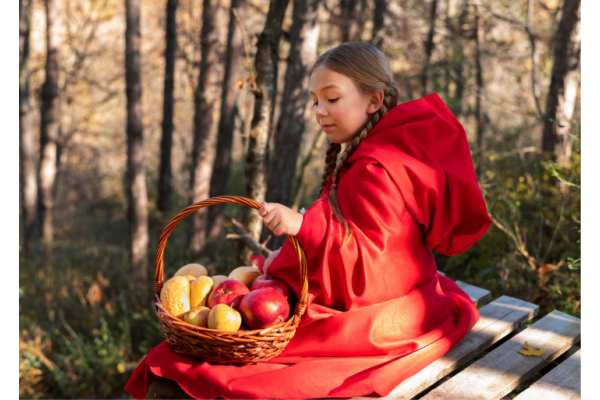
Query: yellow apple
{"points": [[200, 289], [224, 318], [197, 316]]}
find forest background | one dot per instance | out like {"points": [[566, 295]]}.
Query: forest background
{"points": [[130, 111]]}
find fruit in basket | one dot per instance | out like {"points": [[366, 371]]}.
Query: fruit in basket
{"points": [[262, 308], [218, 279], [224, 318], [175, 296], [246, 275], [197, 316], [190, 277], [268, 280], [258, 261], [270, 259], [228, 292], [200, 288], [192, 269]]}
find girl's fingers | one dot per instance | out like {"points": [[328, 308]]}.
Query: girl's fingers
{"points": [[265, 209]]}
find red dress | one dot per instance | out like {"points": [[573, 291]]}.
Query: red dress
{"points": [[378, 312]]}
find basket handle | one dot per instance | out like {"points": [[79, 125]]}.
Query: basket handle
{"points": [[159, 263]]}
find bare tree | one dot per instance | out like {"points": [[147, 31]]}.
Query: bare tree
{"points": [[291, 124], [349, 16], [164, 181], [267, 57], [50, 120], [205, 137], [479, 110], [380, 9], [563, 85], [456, 13], [136, 168], [429, 44], [222, 164], [26, 133]]}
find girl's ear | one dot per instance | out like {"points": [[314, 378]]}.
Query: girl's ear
{"points": [[375, 102]]}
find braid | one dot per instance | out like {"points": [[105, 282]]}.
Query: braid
{"points": [[390, 99], [330, 161]]}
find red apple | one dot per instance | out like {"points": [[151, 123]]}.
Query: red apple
{"points": [[259, 261], [268, 280], [228, 292], [262, 308]]}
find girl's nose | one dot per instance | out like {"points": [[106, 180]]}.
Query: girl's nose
{"points": [[320, 111]]}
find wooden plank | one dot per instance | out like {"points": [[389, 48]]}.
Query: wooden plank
{"points": [[503, 369], [562, 383], [478, 295], [497, 320]]}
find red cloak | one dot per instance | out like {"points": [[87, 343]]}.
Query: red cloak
{"points": [[378, 312]]}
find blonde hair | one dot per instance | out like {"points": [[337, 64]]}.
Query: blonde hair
{"points": [[367, 66]]}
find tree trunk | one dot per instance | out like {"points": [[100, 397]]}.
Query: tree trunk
{"points": [[222, 164], [203, 152], [26, 133], [267, 57], [349, 19], [165, 186], [456, 12], [291, 124], [563, 85], [425, 77], [136, 169], [380, 9], [50, 121], [479, 113]]}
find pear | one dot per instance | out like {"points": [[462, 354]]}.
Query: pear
{"points": [[192, 269], [218, 279], [200, 289], [175, 295], [246, 275]]}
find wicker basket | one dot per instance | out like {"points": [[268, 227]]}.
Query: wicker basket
{"points": [[221, 347]]}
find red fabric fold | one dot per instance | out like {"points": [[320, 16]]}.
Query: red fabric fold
{"points": [[377, 311]]}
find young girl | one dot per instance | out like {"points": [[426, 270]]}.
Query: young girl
{"points": [[378, 312]]}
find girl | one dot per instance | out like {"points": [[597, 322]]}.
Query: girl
{"points": [[378, 312]]}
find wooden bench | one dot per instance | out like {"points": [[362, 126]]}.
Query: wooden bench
{"points": [[496, 339]]}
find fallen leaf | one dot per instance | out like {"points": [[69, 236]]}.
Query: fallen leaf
{"points": [[530, 351]]}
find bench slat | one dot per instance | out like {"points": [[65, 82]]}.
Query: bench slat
{"points": [[503, 369], [497, 320], [478, 295], [562, 383]]}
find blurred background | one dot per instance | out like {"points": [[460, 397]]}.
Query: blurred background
{"points": [[130, 111]]}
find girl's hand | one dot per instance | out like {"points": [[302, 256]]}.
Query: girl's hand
{"points": [[280, 219]]}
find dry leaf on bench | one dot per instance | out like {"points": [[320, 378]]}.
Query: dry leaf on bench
{"points": [[530, 351]]}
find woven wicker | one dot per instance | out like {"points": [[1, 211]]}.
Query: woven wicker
{"points": [[221, 347]]}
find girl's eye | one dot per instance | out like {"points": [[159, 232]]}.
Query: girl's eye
{"points": [[330, 100]]}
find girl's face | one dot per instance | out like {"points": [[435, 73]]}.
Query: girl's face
{"points": [[340, 108]]}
